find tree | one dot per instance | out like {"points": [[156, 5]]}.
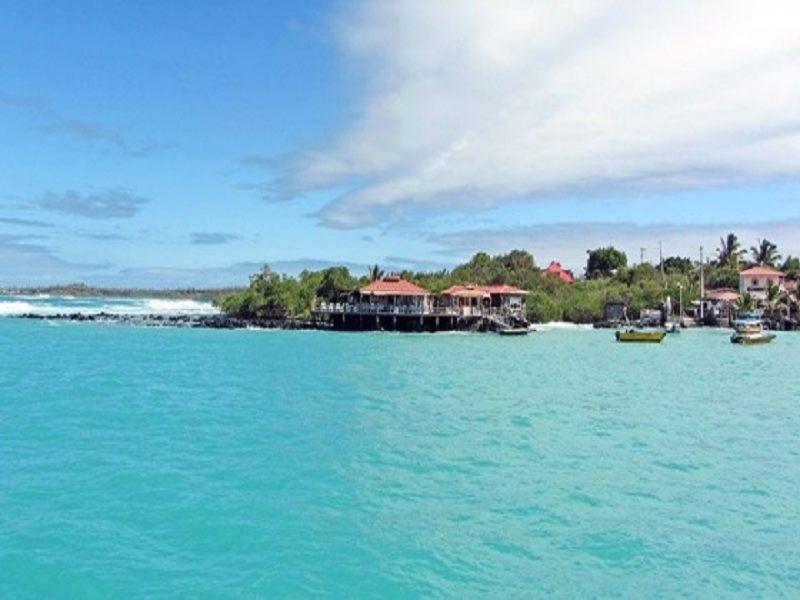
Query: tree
{"points": [[334, 281], [773, 296], [791, 266], [746, 302], [517, 261], [677, 264], [604, 262], [724, 276], [730, 252], [765, 254], [479, 270], [374, 273]]}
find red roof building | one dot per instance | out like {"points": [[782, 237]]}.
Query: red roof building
{"points": [[392, 285], [477, 299], [757, 281], [556, 269], [395, 295]]}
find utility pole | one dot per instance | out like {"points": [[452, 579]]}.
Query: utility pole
{"points": [[702, 286], [641, 255]]}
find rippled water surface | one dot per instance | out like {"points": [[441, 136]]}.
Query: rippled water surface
{"points": [[240, 464]]}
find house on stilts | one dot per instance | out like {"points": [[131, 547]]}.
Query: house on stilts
{"points": [[395, 304]]}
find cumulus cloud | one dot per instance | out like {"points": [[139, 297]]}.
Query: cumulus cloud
{"points": [[470, 105], [213, 238], [107, 204]]}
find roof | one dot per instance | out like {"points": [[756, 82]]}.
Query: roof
{"points": [[756, 271], [555, 268], [465, 290], [392, 285], [470, 290], [722, 294], [503, 289]]}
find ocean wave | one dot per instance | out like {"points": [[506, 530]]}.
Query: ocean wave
{"points": [[15, 307], [57, 305], [159, 306], [561, 325]]}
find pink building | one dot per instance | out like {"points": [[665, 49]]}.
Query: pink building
{"points": [[555, 268]]}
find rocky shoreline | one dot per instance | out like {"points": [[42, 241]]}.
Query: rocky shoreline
{"points": [[201, 321]]}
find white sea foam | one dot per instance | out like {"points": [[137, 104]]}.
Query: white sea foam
{"points": [[183, 307], [55, 305], [561, 325], [15, 307]]}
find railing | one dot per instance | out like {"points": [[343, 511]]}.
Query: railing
{"points": [[369, 309], [443, 311]]}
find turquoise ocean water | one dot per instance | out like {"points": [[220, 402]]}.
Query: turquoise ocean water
{"points": [[183, 463]]}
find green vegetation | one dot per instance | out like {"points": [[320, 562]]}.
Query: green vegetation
{"points": [[607, 277], [550, 299], [765, 254]]}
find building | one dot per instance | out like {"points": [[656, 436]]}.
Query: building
{"points": [[756, 281], [555, 268], [718, 306], [394, 304], [484, 300], [394, 296]]}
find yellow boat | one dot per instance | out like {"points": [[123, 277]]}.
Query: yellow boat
{"points": [[641, 335]]}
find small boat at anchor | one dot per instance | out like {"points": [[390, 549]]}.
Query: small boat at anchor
{"points": [[750, 333], [514, 331], [641, 335]]}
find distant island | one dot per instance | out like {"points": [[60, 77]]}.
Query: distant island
{"points": [[84, 290]]}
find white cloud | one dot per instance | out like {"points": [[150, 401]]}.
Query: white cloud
{"points": [[468, 105], [104, 204]]}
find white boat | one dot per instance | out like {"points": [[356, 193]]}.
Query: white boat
{"points": [[748, 332], [514, 331]]}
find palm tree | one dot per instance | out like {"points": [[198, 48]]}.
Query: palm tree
{"points": [[374, 273], [729, 253], [746, 302], [765, 254], [778, 303], [791, 266]]}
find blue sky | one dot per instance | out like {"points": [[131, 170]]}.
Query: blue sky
{"points": [[187, 143]]}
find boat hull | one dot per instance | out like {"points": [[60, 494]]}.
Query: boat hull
{"points": [[752, 339], [513, 331], [640, 336]]}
